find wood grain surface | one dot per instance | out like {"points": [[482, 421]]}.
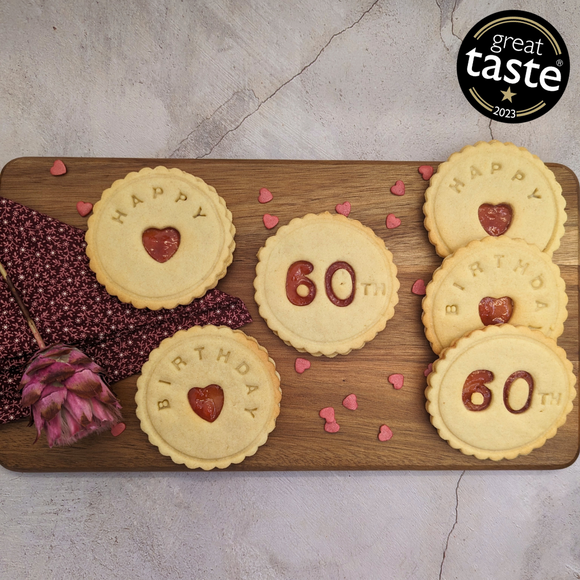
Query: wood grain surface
{"points": [[299, 441]]}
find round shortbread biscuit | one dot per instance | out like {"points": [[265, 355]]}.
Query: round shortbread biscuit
{"points": [[326, 284], [486, 188], [160, 202], [500, 392], [492, 270], [180, 373]]}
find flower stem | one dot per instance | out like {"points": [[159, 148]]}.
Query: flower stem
{"points": [[22, 307]]}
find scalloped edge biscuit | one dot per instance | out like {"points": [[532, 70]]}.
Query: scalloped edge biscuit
{"points": [[490, 245], [436, 237], [271, 391], [187, 295], [329, 347], [443, 364]]}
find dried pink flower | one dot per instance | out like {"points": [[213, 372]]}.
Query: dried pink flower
{"points": [[67, 395], [64, 389]]}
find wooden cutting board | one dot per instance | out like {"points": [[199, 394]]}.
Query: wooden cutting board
{"points": [[299, 441]]}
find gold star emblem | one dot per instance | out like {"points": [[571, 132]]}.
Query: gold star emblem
{"points": [[508, 94]]}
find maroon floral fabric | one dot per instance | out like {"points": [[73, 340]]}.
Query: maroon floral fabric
{"points": [[45, 259]]}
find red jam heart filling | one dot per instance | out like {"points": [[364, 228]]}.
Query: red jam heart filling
{"points": [[161, 244], [495, 219], [207, 402], [495, 310]]}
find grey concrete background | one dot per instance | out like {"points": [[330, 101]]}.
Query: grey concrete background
{"points": [[307, 79]]}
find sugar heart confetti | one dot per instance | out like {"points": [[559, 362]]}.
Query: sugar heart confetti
{"points": [[398, 188], [84, 208], [350, 402], [385, 433], [343, 208], [265, 195], [428, 370], [58, 168], [301, 365], [118, 429], [270, 221], [397, 380], [426, 172], [331, 427], [419, 288], [392, 221], [327, 414]]}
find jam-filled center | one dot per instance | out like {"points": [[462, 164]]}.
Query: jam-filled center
{"points": [[495, 219], [495, 310], [208, 402], [162, 244]]}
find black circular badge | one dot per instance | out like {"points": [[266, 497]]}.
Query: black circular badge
{"points": [[513, 66]]}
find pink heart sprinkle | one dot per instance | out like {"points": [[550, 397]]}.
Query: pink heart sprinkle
{"points": [[385, 433], [343, 208], [301, 364], [428, 370], [270, 221], [398, 188], [350, 402], [397, 380], [392, 221], [58, 168], [327, 414], [426, 172], [265, 195], [118, 429], [419, 288], [331, 427], [84, 208]]}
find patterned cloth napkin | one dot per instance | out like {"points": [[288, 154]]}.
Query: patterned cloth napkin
{"points": [[46, 260]]}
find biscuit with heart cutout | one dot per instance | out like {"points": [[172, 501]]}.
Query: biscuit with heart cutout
{"points": [[208, 397], [159, 238], [494, 188], [494, 281]]}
